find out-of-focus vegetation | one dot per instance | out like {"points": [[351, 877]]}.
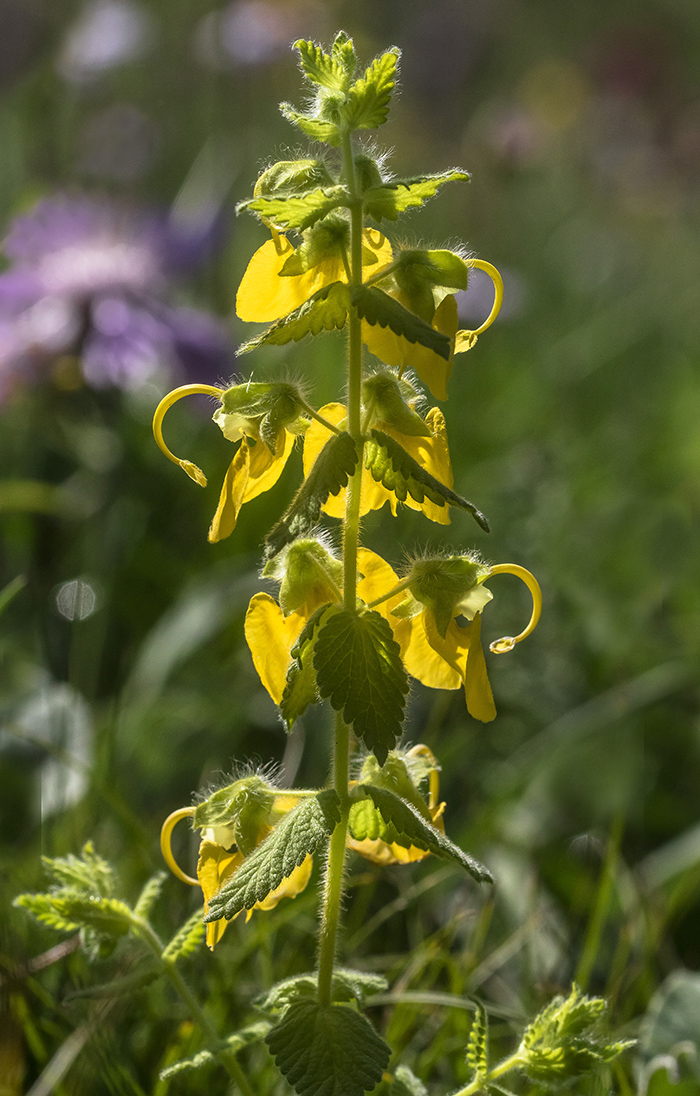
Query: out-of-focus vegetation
{"points": [[575, 426]]}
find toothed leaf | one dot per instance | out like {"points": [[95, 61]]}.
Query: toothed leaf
{"points": [[367, 101], [328, 1050], [327, 71], [377, 307], [326, 310], [333, 466], [395, 197], [300, 690], [297, 212], [299, 833], [399, 472], [315, 128], [359, 669], [243, 1038], [186, 940], [348, 985], [149, 895], [408, 822], [477, 1044]]}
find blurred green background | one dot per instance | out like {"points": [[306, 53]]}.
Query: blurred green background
{"points": [[574, 424]]}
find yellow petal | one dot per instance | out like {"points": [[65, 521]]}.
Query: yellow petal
{"points": [[265, 295], [433, 664], [232, 495], [270, 636], [266, 467], [290, 887], [377, 579], [477, 689], [214, 867]]}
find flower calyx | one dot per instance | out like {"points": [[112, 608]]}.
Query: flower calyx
{"points": [[264, 411], [448, 587], [309, 575], [389, 400]]}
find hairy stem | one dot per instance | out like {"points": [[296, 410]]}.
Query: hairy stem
{"points": [[333, 890], [213, 1040]]}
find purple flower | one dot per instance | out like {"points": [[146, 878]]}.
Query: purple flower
{"points": [[90, 278]]}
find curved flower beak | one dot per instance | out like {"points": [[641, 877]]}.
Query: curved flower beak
{"points": [[465, 340], [165, 404]]}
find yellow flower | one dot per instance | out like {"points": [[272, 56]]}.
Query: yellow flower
{"points": [[270, 636], [267, 294], [432, 368], [266, 436], [451, 656], [431, 452], [383, 852], [219, 859]]}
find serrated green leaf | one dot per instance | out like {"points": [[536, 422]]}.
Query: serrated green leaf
{"points": [[367, 101], [108, 916], [300, 689], [348, 985], [300, 833], [359, 669], [343, 52], [331, 470], [409, 823], [328, 1050], [186, 940], [477, 1044], [395, 197], [255, 1033], [297, 212], [322, 69], [399, 472], [88, 872], [149, 895], [41, 907], [326, 310], [377, 307], [315, 128]]}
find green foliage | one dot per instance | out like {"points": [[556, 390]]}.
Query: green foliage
{"points": [[367, 102], [297, 212], [149, 895], [327, 1050], [87, 873], [247, 1036], [300, 689], [413, 829], [377, 307], [563, 1041], [326, 310], [393, 198], [334, 70], [359, 669], [333, 466], [299, 834], [120, 987], [478, 1044], [315, 128], [397, 470], [186, 940], [347, 985]]}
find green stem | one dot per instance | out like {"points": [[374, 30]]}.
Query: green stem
{"points": [[480, 1084], [333, 889], [215, 1044], [598, 917], [319, 418]]}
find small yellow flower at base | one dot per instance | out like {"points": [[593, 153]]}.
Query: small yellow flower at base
{"points": [[253, 470], [431, 452], [266, 295]]}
